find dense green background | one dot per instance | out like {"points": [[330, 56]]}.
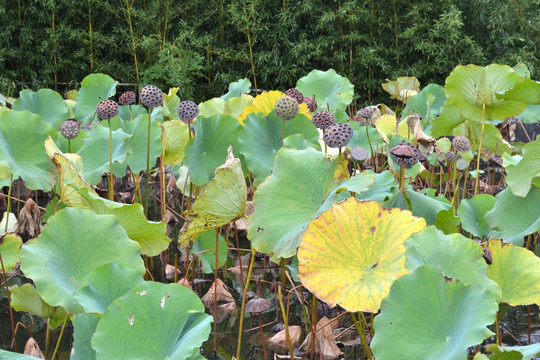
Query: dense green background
{"points": [[202, 45]]}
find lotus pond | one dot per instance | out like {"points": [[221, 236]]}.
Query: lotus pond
{"points": [[273, 225]]}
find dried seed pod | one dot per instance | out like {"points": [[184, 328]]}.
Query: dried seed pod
{"points": [[151, 96], [359, 153], [127, 98], [462, 164], [295, 94], [497, 160], [187, 110], [450, 156], [324, 119], [311, 103], [461, 143], [338, 135], [70, 129], [107, 109], [405, 154], [286, 108], [367, 112]]}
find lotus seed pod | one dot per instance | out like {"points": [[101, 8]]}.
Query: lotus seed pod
{"points": [[127, 98], [323, 120], [462, 164], [70, 129], [461, 143], [107, 109], [311, 103], [286, 108], [359, 153], [338, 135], [295, 94], [367, 112], [450, 156], [497, 160], [151, 96], [187, 110], [405, 154]]}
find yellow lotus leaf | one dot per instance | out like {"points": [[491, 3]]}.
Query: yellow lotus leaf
{"points": [[351, 254], [387, 125], [265, 102], [517, 271]]}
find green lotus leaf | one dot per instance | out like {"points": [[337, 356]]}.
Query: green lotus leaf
{"points": [[22, 150], [204, 246], [84, 327], [470, 87], [94, 88], [11, 220], [517, 271], [427, 103], [221, 201], [473, 212], [451, 117], [8, 355], [382, 188], [260, 139], [514, 217], [351, 254], [137, 142], [356, 185], [395, 88], [285, 202], [492, 137], [458, 257], [531, 114], [45, 102], [106, 284], [237, 89], [296, 141], [25, 298], [70, 178], [95, 153], [10, 249], [72, 244], [150, 235], [524, 352], [360, 138], [170, 104], [386, 126], [130, 112], [427, 316], [328, 88], [175, 136], [183, 183], [208, 149], [426, 206], [175, 314], [447, 221], [219, 106], [519, 177], [526, 91]]}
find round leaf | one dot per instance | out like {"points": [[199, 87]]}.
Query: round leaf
{"points": [[45, 102], [174, 313], [517, 271], [426, 316], [94, 88], [74, 243], [10, 249], [351, 254], [473, 214], [328, 88]]}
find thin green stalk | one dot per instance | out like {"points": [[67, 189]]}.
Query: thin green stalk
{"points": [[282, 131], [60, 337], [215, 288], [362, 333], [250, 269], [91, 37], [250, 46], [497, 332], [9, 301], [147, 164], [286, 322], [69, 145], [47, 338], [9, 201], [480, 149], [110, 188]]}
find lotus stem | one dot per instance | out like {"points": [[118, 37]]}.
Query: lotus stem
{"points": [[163, 187], [480, 149], [47, 338], [239, 259], [370, 146], [284, 314], [69, 145], [362, 334], [455, 194], [9, 297], [402, 177], [244, 293], [529, 324], [110, 186], [60, 337], [147, 164], [9, 202], [215, 288], [497, 332], [282, 131]]}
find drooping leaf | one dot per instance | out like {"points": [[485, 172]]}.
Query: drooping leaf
{"points": [[25, 298], [328, 88], [427, 316], [45, 102], [519, 177], [473, 214], [427, 103], [237, 89], [11, 221], [95, 153], [106, 284], [208, 149], [514, 217], [150, 235], [382, 188], [526, 352], [222, 200], [204, 246], [451, 117], [458, 257], [170, 105], [517, 271], [72, 244], [21, 149], [176, 332], [260, 139], [526, 91], [94, 88], [397, 87], [387, 125], [285, 203], [351, 254], [10, 249], [470, 87], [175, 137], [426, 206]]}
